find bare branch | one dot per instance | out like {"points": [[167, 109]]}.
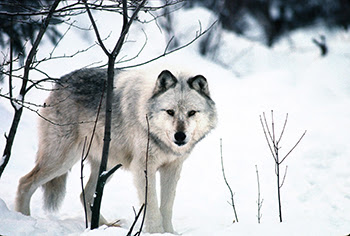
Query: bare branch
{"points": [[97, 33], [172, 51], [125, 15], [126, 26], [302, 136], [60, 39], [22, 104], [11, 69], [284, 177], [273, 131], [107, 174], [138, 54], [267, 127], [267, 139], [284, 127], [33, 50], [136, 219], [168, 44]]}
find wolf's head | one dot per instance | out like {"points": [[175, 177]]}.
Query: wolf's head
{"points": [[181, 111]]}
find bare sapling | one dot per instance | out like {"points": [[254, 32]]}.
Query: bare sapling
{"points": [[232, 203], [103, 175], [259, 201], [274, 146]]}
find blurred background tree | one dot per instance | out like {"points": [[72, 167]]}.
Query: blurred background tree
{"points": [[276, 18], [21, 21]]}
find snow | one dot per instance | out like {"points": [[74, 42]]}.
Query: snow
{"points": [[245, 79], [17, 101], [2, 160]]}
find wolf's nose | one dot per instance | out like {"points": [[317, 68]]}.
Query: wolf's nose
{"points": [[180, 138]]}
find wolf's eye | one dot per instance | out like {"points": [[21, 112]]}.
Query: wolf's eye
{"points": [[170, 112], [191, 113]]}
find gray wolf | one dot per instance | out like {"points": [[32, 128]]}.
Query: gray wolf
{"points": [[180, 112]]}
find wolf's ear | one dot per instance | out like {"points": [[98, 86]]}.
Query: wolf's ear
{"points": [[199, 83], [165, 81]]}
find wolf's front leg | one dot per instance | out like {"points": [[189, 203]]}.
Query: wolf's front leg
{"points": [[153, 222], [169, 176]]}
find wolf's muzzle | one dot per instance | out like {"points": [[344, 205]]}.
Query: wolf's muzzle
{"points": [[180, 138]]}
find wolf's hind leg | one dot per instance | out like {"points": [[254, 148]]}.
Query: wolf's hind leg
{"points": [[29, 183], [27, 186], [50, 171]]}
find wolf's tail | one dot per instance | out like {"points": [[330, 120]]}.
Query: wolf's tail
{"points": [[54, 192]]}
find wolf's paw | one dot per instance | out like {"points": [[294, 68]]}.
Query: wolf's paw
{"points": [[168, 228], [172, 232], [154, 229]]}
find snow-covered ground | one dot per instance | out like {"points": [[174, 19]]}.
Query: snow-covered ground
{"points": [[246, 80]]}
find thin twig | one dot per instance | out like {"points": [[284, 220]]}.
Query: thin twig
{"points": [[60, 39], [96, 120], [267, 139], [82, 183], [267, 126], [37, 83], [284, 176], [126, 26], [284, 127], [46, 119], [136, 219], [259, 202], [84, 156], [172, 51], [11, 68], [97, 33], [273, 131], [121, 60], [227, 184], [302, 136]]}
